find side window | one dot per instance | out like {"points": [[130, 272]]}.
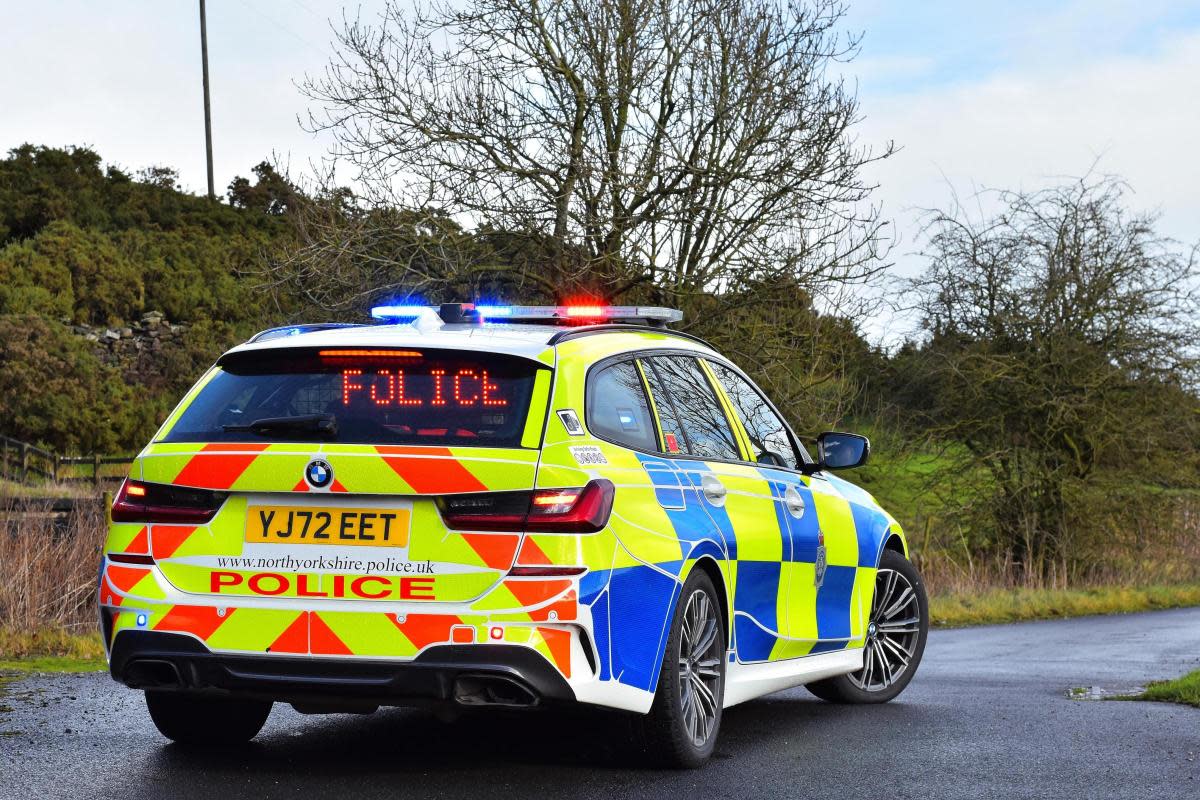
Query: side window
{"points": [[678, 382], [767, 432], [617, 409]]}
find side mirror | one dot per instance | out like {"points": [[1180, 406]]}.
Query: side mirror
{"points": [[842, 450]]}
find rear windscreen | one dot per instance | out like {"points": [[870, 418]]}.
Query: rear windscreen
{"points": [[362, 396]]}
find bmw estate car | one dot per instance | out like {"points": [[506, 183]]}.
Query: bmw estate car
{"points": [[497, 506]]}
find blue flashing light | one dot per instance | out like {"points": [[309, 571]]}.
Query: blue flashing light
{"points": [[493, 311], [398, 312], [141, 620]]}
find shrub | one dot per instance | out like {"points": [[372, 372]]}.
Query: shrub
{"points": [[55, 392], [32, 282]]}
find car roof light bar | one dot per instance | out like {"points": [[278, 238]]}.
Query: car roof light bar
{"points": [[393, 313], [650, 314], [470, 312]]}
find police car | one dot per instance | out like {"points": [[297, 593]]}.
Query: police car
{"points": [[508, 506]]}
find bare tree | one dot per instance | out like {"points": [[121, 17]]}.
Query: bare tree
{"points": [[1061, 367], [660, 150]]}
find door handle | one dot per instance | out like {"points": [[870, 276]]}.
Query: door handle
{"points": [[714, 490], [794, 502]]}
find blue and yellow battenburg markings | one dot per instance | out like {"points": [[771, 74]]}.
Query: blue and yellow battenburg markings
{"points": [[782, 605]]}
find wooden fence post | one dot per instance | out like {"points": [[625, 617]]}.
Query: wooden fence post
{"points": [[24, 462], [55, 467], [96, 470]]}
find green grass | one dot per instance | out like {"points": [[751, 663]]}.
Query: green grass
{"points": [[1185, 690], [1018, 605], [53, 664], [50, 650], [904, 481], [46, 490]]}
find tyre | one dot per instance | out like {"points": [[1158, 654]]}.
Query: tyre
{"points": [[195, 719], [681, 728], [895, 641]]}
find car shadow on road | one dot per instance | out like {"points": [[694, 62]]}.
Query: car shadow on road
{"points": [[398, 742]]}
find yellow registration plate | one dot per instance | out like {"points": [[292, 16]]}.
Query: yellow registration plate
{"points": [[369, 527]]}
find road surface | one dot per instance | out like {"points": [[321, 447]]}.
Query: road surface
{"points": [[987, 716]]}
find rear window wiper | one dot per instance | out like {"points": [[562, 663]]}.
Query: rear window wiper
{"points": [[323, 424]]}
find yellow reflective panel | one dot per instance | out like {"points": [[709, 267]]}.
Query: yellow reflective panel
{"points": [[532, 435], [837, 523]]}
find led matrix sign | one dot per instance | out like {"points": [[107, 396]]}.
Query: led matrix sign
{"points": [[394, 386]]}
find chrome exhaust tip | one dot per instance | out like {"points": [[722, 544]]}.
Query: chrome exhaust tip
{"points": [[492, 690]]}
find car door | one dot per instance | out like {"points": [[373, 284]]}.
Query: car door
{"points": [[702, 441], [821, 557], [660, 522]]}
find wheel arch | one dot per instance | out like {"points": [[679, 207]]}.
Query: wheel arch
{"points": [[895, 542], [710, 566]]}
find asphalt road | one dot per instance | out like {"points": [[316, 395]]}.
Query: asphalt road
{"points": [[987, 716]]}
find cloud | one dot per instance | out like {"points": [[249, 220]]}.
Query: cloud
{"points": [[1134, 115]]}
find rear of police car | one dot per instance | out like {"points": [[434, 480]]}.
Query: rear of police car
{"points": [[350, 517]]}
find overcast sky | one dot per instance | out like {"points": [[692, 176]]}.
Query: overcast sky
{"points": [[1003, 94]]}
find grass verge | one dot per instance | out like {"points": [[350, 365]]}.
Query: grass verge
{"points": [[50, 650], [1181, 690], [1185, 690], [1019, 605]]}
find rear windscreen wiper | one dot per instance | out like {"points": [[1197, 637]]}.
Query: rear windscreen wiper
{"points": [[322, 424]]}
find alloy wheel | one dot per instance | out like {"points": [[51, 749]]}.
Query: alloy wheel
{"points": [[892, 632], [700, 654]]}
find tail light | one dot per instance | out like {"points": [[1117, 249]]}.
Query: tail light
{"points": [[158, 502], [582, 510]]}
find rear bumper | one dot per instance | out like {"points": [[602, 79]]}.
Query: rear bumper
{"points": [[468, 675]]}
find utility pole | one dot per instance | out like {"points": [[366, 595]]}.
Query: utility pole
{"points": [[212, 195]]}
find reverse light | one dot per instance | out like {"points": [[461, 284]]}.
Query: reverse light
{"points": [[582, 510], [158, 502]]}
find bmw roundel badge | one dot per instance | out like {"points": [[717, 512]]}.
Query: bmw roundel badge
{"points": [[318, 473]]}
